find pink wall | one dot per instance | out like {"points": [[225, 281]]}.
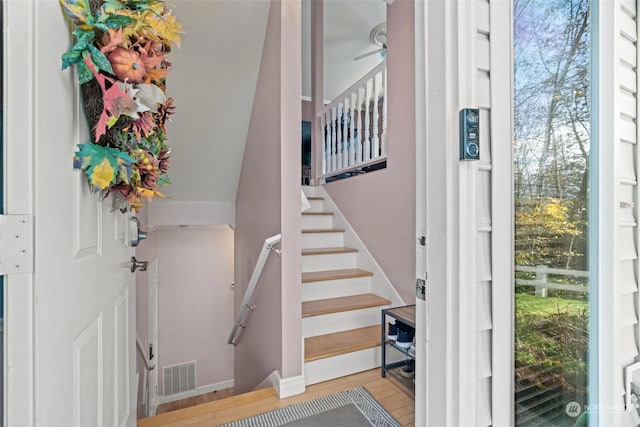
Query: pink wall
{"points": [[195, 301], [307, 111], [267, 203], [381, 205]]}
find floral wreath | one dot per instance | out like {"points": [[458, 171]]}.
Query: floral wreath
{"points": [[120, 55]]}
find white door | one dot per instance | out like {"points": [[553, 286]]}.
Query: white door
{"points": [[152, 330], [70, 324]]}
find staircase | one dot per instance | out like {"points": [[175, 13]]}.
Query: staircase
{"points": [[340, 309]]}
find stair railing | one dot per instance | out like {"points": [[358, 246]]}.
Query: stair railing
{"points": [[145, 383], [240, 322], [354, 125]]}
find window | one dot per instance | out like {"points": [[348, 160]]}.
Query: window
{"points": [[552, 90]]}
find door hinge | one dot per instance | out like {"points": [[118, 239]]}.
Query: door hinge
{"points": [[16, 244]]}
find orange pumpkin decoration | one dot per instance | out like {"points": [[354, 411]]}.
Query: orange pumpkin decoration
{"points": [[127, 65]]}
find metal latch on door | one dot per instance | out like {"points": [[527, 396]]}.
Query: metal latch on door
{"points": [[16, 244], [134, 231], [135, 264]]}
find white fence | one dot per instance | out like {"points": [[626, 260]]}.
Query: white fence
{"points": [[354, 125], [542, 282]]}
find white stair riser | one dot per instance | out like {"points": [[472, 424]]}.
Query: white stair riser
{"points": [[329, 261], [310, 190], [322, 240], [337, 322], [341, 365], [317, 221], [316, 206], [336, 288]]}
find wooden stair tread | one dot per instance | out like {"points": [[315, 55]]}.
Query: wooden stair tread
{"points": [[323, 230], [336, 305], [347, 273], [209, 408], [323, 346], [317, 213], [324, 251]]}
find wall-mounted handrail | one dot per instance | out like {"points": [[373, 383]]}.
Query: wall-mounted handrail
{"points": [[142, 352], [145, 383], [253, 281]]}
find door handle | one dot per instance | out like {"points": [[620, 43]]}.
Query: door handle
{"points": [[135, 264], [136, 234]]}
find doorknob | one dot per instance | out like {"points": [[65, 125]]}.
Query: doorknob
{"points": [[135, 264], [135, 232]]}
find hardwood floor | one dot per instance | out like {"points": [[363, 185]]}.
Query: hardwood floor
{"points": [[393, 397], [195, 400]]}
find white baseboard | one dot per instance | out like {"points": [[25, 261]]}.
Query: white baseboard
{"points": [[286, 387], [197, 391]]}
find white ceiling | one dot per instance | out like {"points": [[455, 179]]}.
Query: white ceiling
{"points": [[214, 77], [213, 81], [347, 26]]}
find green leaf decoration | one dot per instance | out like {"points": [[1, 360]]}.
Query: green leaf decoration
{"points": [[84, 39], [104, 165], [100, 60], [139, 4], [84, 73], [118, 21], [163, 180], [71, 57], [111, 6]]}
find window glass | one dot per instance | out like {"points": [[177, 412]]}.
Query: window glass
{"points": [[552, 90]]}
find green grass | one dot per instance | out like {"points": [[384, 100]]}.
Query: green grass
{"points": [[545, 307], [551, 341]]}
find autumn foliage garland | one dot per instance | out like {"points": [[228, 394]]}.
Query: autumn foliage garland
{"points": [[120, 54]]}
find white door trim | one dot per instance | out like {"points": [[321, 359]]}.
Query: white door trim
{"points": [[18, 84], [502, 213], [420, 412], [446, 33], [152, 335], [605, 368]]}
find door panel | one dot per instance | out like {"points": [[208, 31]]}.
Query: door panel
{"points": [[87, 375], [87, 220]]}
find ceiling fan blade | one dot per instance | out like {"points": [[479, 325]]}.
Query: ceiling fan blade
{"points": [[364, 55]]}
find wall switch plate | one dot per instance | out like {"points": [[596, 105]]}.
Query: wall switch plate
{"points": [[469, 134]]}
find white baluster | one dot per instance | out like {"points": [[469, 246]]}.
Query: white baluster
{"points": [[345, 133], [327, 151], [334, 139], [383, 139], [359, 141], [375, 141], [352, 143], [323, 126], [367, 122], [339, 138]]}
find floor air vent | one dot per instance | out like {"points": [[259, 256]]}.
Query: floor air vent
{"points": [[179, 378]]}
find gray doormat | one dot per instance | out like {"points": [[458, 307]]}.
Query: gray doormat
{"points": [[351, 408]]}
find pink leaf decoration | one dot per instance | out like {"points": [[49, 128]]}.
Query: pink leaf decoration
{"points": [[115, 39], [114, 99]]}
